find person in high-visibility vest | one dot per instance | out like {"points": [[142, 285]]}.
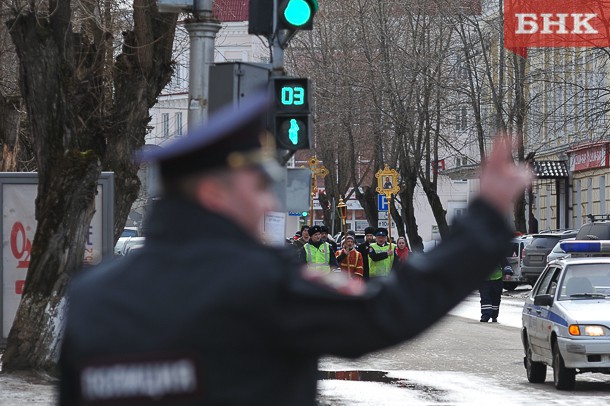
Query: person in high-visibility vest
{"points": [[381, 254], [318, 254], [491, 292], [350, 259]]}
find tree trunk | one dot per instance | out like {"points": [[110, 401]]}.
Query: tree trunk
{"points": [[439, 212], [406, 198], [140, 74], [368, 200], [68, 169], [63, 83]]}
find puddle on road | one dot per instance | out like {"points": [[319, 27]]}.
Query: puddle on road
{"points": [[427, 393]]}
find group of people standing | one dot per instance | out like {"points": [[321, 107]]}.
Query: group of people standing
{"points": [[375, 257]]}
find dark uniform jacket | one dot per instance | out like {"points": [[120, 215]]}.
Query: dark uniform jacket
{"points": [[364, 250], [206, 315]]}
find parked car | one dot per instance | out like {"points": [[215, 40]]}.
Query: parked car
{"points": [[124, 244], [566, 318], [515, 260], [131, 232], [535, 253], [594, 230], [557, 252]]}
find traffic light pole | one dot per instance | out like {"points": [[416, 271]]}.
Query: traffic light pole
{"points": [[202, 33], [277, 56]]}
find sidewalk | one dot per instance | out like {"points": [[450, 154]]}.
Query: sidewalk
{"points": [[25, 389]]}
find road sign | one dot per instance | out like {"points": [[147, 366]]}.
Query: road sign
{"points": [[382, 223], [382, 215], [382, 203]]}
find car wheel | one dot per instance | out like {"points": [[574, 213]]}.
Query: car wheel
{"points": [[564, 378], [536, 371], [510, 285]]}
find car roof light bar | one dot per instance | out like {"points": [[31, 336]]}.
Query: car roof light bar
{"points": [[586, 246]]}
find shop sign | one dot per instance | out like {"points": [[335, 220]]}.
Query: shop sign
{"points": [[589, 158]]}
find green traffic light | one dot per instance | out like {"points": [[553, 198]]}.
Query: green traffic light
{"points": [[298, 12]]}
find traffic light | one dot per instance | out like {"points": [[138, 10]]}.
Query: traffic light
{"points": [[269, 17], [260, 17], [296, 14], [291, 121]]}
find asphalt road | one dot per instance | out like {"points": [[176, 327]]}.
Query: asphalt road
{"points": [[474, 356]]}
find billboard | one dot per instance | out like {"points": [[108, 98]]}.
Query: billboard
{"points": [[18, 193]]}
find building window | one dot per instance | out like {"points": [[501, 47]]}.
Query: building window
{"points": [[461, 119], [461, 161], [179, 75], [578, 203], [602, 194], [165, 124], [179, 124]]}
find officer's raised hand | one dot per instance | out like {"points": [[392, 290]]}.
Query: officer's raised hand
{"points": [[501, 180]]}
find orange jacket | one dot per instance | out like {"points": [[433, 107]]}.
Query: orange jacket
{"points": [[351, 263]]}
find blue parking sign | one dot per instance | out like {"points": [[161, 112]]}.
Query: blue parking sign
{"points": [[382, 203]]}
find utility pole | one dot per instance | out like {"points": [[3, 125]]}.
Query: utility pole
{"points": [[202, 29]]}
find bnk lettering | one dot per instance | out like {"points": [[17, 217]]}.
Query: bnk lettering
{"points": [[527, 23]]}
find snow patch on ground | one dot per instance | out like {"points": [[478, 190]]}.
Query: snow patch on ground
{"points": [[419, 388]]}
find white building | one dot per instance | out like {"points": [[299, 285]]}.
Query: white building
{"points": [[233, 44]]}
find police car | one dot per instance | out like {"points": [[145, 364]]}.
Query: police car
{"points": [[566, 316]]}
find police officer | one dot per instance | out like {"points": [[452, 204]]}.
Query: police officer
{"points": [[333, 245], [490, 292], [381, 254], [317, 253], [188, 320], [363, 248]]}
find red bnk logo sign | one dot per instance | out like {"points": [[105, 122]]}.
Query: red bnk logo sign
{"points": [[555, 23]]}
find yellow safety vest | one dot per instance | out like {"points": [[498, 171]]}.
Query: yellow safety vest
{"points": [[496, 275], [379, 268], [318, 258]]}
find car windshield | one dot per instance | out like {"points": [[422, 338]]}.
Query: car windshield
{"points": [[129, 233], [585, 281]]}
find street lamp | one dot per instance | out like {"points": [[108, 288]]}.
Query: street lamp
{"points": [[343, 214]]}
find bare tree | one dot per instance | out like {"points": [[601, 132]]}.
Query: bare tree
{"points": [[13, 140], [87, 111], [379, 75]]}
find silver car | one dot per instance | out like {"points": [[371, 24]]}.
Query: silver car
{"points": [[566, 321], [557, 252]]}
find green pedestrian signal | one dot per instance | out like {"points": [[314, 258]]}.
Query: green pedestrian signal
{"points": [[291, 123], [292, 131]]}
